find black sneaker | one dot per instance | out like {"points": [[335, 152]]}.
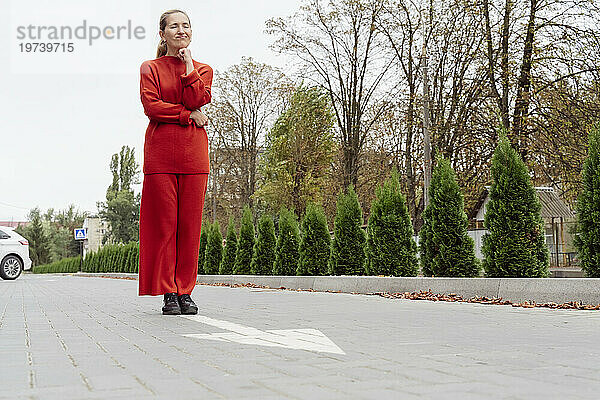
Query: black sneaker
{"points": [[171, 305], [187, 305]]}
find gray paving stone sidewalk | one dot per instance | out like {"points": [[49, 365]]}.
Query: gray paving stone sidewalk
{"points": [[69, 337]]}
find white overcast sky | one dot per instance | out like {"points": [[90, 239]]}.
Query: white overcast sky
{"points": [[64, 114]]}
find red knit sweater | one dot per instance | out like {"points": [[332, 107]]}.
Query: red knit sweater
{"points": [[174, 143]]}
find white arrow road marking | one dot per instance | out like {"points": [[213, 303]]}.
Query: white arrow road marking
{"points": [[302, 339]]}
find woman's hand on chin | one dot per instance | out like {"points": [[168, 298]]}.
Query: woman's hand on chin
{"points": [[185, 55]]}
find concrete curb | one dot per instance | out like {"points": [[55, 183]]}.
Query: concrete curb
{"points": [[539, 290]]}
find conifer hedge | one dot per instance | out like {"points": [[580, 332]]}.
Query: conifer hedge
{"points": [[315, 242], [109, 258], [214, 250], [264, 249], [70, 264], [288, 241], [203, 241], [228, 262], [245, 244]]}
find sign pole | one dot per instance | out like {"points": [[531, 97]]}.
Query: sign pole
{"points": [[80, 235]]}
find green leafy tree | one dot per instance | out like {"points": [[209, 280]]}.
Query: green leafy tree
{"points": [[62, 241], [300, 149], [231, 245], [514, 245], [446, 248], [58, 230], [587, 239], [203, 241], [288, 241], [39, 243], [264, 248], [348, 246], [246, 241], [315, 242], [391, 249], [122, 206], [251, 94], [59, 227], [214, 250]]}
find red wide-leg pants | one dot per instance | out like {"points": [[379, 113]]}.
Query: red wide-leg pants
{"points": [[170, 222]]}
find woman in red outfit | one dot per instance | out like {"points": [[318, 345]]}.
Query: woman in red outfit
{"points": [[173, 88]]}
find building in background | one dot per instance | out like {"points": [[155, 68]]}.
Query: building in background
{"points": [[557, 216], [96, 229], [15, 224]]}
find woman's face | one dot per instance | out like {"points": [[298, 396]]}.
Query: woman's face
{"points": [[178, 32]]}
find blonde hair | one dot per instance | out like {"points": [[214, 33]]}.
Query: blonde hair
{"points": [[162, 45]]}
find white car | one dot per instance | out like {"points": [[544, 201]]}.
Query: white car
{"points": [[14, 253]]}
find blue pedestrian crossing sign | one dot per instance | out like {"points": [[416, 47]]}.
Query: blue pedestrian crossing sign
{"points": [[80, 234]]}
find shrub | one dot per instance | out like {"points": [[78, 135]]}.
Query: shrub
{"points": [[264, 249], [587, 239], [214, 250], [391, 249], [203, 241], [446, 248], [515, 245], [348, 246], [231, 245], [315, 242], [245, 244], [286, 258], [66, 265]]}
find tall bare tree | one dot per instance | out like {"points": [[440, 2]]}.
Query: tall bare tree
{"points": [[451, 36], [402, 24], [548, 41], [341, 50], [247, 98]]}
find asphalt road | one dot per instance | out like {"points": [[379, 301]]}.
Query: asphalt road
{"points": [[73, 337]]}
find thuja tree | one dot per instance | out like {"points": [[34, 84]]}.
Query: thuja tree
{"points": [[391, 249], [264, 248], [214, 250], [132, 257], [246, 240], [514, 245], [446, 248], [228, 262], [587, 240], [288, 241], [348, 245], [315, 242], [203, 241]]}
